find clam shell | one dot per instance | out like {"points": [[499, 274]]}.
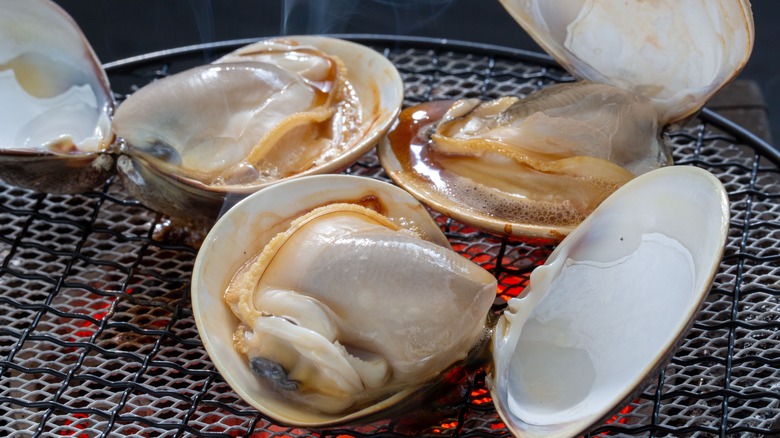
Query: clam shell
{"points": [[678, 53], [55, 117], [565, 352], [242, 233]]}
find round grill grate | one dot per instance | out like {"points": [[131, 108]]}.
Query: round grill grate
{"points": [[96, 330]]}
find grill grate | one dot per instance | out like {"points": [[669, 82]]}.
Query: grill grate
{"points": [[97, 336]]}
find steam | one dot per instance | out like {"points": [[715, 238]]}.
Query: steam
{"points": [[204, 17], [316, 16], [399, 17]]}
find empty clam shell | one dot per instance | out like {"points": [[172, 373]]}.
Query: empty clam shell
{"points": [[565, 352], [55, 117]]}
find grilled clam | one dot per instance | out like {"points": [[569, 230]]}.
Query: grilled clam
{"points": [[565, 351], [535, 167], [345, 300], [216, 133], [531, 167], [55, 118]]}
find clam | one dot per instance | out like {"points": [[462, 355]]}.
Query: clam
{"points": [[55, 118], [535, 167], [298, 106], [565, 352], [552, 157], [328, 298], [192, 142]]}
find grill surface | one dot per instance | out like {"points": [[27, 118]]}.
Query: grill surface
{"points": [[97, 336]]}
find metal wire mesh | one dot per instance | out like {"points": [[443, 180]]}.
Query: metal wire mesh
{"points": [[97, 336]]}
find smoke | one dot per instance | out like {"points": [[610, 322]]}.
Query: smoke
{"points": [[204, 17], [399, 17]]}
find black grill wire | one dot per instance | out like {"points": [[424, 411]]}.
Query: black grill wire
{"points": [[97, 336]]}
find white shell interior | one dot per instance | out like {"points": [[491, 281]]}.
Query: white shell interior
{"points": [[243, 232], [678, 53], [610, 303], [53, 89]]}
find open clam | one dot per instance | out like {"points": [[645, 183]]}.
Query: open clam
{"points": [[328, 298], [565, 352], [55, 117], [535, 167], [273, 110], [189, 143]]}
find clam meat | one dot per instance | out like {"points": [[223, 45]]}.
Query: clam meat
{"points": [[352, 304], [244, 122], [346, 307], [582, 119], [566, 352]]}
